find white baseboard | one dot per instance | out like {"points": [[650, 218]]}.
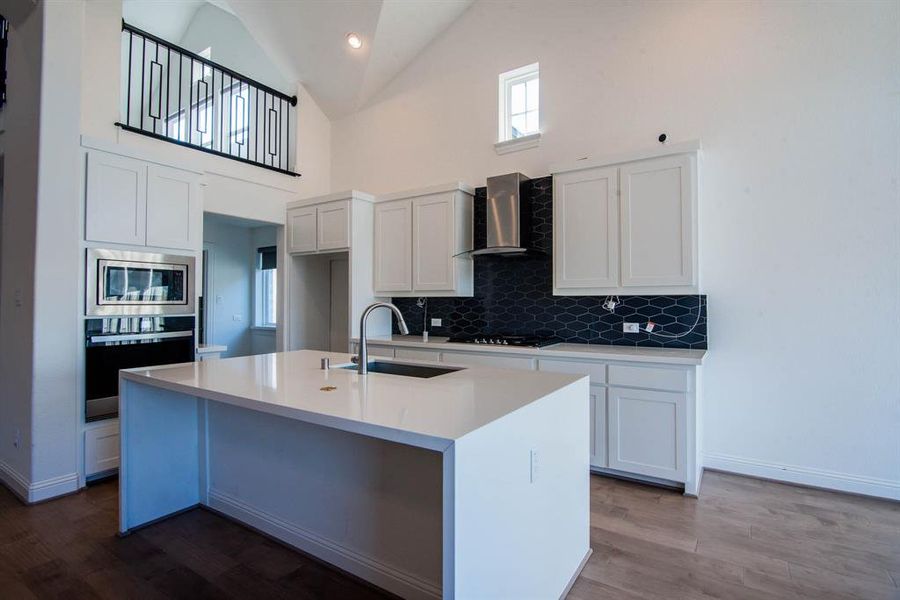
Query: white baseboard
{"points": [[385, 576], [37, 492], [830, 480], [12, 479]]}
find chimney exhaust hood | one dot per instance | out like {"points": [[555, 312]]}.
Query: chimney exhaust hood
{"points": [[508, 216]]}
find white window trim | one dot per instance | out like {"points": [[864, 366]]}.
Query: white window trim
{"points": [[258, 302], [506, 143]]}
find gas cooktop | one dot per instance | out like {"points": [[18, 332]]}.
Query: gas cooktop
{"points": [[528, 341]]}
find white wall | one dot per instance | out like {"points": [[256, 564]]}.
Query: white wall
{"points": [[797, 108], [39, 323], [230, 280]]}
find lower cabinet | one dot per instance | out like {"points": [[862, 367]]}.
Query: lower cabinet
{"points": [[101, 447], [647, 432], [598, 427], [639, 412]]}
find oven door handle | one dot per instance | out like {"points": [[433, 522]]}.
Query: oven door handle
{"points": [[125, 337]]}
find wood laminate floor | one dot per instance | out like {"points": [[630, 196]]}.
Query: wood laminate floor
{"points": [[743, 538]]}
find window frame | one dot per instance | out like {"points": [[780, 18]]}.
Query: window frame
{"points": [[507, 80], [263, 294]]}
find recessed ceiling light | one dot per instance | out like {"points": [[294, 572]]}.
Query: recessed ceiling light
{"points": [[354, 40]]}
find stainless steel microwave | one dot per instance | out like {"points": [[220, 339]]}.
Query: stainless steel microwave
{"points": [[121, 282]]}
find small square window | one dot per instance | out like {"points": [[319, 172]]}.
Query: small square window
{"points": [[519, 103]]}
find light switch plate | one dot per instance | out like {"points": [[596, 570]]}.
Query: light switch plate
{"points": [[436, 322], [631, 327]]}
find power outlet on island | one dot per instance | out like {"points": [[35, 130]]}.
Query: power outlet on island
{"points": [[631, 327]]}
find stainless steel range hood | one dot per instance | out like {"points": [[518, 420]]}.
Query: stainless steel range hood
{"points": [[508, 216]]}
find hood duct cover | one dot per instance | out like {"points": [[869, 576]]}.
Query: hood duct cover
{"points": [[508, 216]]}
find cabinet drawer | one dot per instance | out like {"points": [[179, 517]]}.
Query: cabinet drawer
{"points": [[410, 354], [658, 378], [596, 371], [483, 360], [101, 448]]}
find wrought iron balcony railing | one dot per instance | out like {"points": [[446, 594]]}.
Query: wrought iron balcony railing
{"points": [[175, 95]]}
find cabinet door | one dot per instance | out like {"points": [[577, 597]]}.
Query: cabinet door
{"points": [[598, 427], [647, 432], [433, 243], [586, 230], [393, 246], [333, 222], [658, 204], [173, 209], [116, 200], [101, 448], [301, 224]]}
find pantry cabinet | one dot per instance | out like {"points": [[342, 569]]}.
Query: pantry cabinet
{"points": [[133, 202], [421, 238], [626, 228], [320, 228]]}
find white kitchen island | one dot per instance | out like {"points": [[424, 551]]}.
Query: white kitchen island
{"points": [[472, 484]]}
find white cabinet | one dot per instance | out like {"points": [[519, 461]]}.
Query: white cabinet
{"points": [[629, 228], [321, 228], [647, 431], [433, 243], [586, 223], [301, 223], [128, 201], [598, 427], [101, 447], [420, 241], [173, 208], [393, 246], [116, 199], [333, 225], [658, 222]]}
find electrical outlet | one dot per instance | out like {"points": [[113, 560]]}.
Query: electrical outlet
{"points": [[534, 466], [631, 327], [436, 322], [237, 318]]}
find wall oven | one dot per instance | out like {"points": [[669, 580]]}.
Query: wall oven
{"points": [[118, 343], [121, 282]]}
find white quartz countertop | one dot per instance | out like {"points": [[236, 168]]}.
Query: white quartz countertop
{"points": [[429, 413], [670, 356]]}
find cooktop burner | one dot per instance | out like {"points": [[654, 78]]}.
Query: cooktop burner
{"points": [[529, 341]]}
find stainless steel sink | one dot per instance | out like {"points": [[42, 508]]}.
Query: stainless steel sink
{"points": [[406, 370]]}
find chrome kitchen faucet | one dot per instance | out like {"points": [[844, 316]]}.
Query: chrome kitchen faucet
{"points": [[363, 356]]}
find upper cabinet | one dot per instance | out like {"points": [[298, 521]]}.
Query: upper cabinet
{"points": [[420, 241], [322, 224], [323, 227], [627, 228], [129, 201]]}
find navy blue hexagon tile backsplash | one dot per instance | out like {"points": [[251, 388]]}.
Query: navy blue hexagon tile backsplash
{"points": [[514, 296]]}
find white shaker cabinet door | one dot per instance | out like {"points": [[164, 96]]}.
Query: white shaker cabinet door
{"points": [[116, 199], [393, 246], [173, 209], [333, 222], [658, 221], [647, 432], [301, 224], [598, 427], [586, 230], [433, 243]]}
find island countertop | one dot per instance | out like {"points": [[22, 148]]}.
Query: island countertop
{"points": [[428, 413]]}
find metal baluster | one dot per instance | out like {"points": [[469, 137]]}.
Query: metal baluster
{"points": [[143, 63], [130, 67]]}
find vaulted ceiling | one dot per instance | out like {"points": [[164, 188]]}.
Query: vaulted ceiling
{"points": [[306, 39]]}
